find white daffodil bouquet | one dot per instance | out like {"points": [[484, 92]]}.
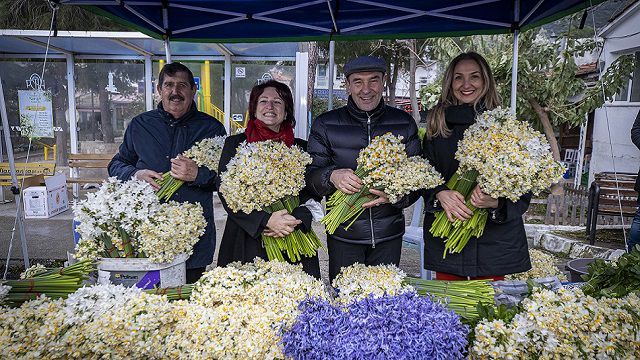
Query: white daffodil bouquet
{"points": [[126, 219], [268, 176], [382, 165], [507, 158], [205, 153]]}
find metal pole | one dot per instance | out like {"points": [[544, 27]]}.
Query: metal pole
{"points": [[514, 72], [227, 93], [148, 83], [14, 178], [514, 68], [332, 49], [167, 49], [73, 123]]}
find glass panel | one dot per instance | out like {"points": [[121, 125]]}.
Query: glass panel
{"points": [[623, 93], [108, 95], [635, 81], [245, 76], [15, 73]]}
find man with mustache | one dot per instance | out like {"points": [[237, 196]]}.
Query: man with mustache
{"points": [[153, 144]]}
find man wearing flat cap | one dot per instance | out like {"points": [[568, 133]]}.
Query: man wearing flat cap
{"points": [[335, 140]]}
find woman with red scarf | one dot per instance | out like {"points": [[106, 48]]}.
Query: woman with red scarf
{"points": [[270, 118]]}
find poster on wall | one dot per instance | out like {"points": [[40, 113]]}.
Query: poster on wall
{"points": [[36, 113]]}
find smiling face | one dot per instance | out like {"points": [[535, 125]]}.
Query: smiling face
{"points": [[467, 82], [366, 89], [270, 109], [177, 94]]}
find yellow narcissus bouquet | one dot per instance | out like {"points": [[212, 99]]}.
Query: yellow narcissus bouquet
{"points": [[205, 153], [507, 158], [268, 176], [383, 165]]}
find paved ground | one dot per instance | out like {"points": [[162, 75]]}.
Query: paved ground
{"points": [[52, 238]]}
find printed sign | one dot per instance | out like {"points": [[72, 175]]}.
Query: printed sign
{"points": [[197, 81], [241, 72], [36, 113], [237, 117]]}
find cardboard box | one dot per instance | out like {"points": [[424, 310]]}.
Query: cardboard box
{"points": [[43, 202]]}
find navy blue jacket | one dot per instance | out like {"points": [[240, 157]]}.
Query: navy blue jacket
{"points": [[151, 140]]}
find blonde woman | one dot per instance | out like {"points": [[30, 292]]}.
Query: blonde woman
{"points": [[468, 88]]}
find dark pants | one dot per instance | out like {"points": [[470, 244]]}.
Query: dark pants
{"points": [[194, 274], [634, 233], [343, 254]]}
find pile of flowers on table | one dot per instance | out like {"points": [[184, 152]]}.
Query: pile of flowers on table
{"points": [[507, 158], [204, 153], [382, 165], [543, 265], [126, 219], [268, 176], [563, 325]]}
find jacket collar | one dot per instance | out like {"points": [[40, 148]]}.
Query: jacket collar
{"points": [[374, 114], [169, 119], [460, 115]]}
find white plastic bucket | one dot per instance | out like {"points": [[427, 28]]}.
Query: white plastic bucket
{"points": [[142, 273]]}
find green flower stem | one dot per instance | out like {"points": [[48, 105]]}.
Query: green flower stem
{"points": [[174, 293], [460, 296], [54, 283], [295, 245], [458, 233], [168, 186]]}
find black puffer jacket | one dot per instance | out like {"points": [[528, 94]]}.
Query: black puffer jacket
{"points": [[502, 248], [335, 141]]}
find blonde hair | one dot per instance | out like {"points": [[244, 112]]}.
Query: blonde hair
{"points": [[488, 99]]}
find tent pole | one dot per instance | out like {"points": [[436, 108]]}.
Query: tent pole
{"points": [[14, 179], [332, 50], [227, 93], [148, 83], [73, 122], [514, 72], [581, 149], [167, 49]]}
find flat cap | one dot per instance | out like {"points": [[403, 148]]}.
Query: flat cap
{"points": [[364, 64]]}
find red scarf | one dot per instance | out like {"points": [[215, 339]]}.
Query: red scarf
{"points": [[258, 131]]}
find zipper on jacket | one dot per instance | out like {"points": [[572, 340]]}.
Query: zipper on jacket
{"points": [[373, 237]]}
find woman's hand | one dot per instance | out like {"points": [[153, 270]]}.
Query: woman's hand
{"points": [[281, 224], [481, 200], [453, 204]]}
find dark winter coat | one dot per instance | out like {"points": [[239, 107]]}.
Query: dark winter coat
{"points": [[635, 137], [335, 141], [151, 140], [502, 249], [241, 240]]}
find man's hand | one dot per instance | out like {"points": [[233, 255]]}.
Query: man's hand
{"points": [[346, 181], [148, 176], [183, 168], [382, 198], [481, 200], [453, 205], [281, 224]]}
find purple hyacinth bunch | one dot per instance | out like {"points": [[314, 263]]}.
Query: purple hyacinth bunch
{"points": [[405, 326]]}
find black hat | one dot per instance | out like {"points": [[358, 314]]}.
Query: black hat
{"points": [[363, 64]]}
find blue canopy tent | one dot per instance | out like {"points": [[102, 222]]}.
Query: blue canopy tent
{"points": [[306, 20]]}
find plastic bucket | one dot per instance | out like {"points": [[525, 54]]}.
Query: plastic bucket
{"points": [[577, 268], [142, 273]]}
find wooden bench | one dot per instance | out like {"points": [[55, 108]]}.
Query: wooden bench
{"points": [[87, 161], [25, 170], [611, 195]]}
